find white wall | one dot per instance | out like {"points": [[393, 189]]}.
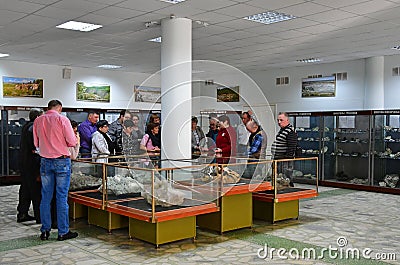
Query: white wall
{"points": [[349, 94], [54, 87], [391, 83]]}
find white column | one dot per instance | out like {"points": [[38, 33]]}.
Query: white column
{"points": [[176, 88], [374, 83]]}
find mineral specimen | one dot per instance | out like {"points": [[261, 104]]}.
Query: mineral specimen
{"points": [[164, 194]]}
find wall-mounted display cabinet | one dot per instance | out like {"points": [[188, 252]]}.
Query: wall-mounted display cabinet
{"points": [[356, 149], [13, 119]]}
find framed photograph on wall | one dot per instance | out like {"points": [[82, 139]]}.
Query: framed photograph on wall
{"points": [[98, 93], [318, 87], [22, 87], [147, 94], [228, 94]]}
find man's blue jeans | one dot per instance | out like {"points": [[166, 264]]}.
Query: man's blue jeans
{"points": [[55, 172]]}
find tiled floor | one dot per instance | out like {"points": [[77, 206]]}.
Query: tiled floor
{"points": [[362, 219]]}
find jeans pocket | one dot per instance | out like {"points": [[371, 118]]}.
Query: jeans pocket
{"points": [[62, 167]]}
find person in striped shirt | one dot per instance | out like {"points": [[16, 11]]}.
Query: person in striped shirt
{"points": [[284, 146], [285, 143]]}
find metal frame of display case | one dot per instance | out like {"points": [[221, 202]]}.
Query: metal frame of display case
{"points": [[278, 205]]}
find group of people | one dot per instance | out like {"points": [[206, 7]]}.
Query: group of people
{"points": [[99, 139], [249, 140], [49, 141]]}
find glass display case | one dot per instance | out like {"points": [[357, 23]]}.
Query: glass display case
{"points": [[180, 195], [352, 137], [386, 149], [282, 202], [12, 121], [314, 139], [357, 149]]}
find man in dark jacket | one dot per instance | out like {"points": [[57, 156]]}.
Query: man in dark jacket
{"points": [[30, 172], [115, 131]]}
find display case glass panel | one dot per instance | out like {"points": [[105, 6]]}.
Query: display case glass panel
{"points": [[16, 120], [386, 150], [352, 149]]}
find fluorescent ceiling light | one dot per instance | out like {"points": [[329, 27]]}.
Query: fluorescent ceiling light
{"points": [[173, 1], [4, 55], [197, 71], [309, 60], [79, 26], [158, 39], [396, 48], [109, 66], [269, 17]]}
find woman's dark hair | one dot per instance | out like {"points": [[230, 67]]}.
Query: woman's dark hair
{"points": [[153, 117], [101, 123], [129, 123], [224, 118], [151, 126], [194, 119], [74, 124], [34, 113]]}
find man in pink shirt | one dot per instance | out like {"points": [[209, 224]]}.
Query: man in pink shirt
{"points": [[53, 135]]}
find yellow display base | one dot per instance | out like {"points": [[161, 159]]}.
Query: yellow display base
{"points": [[272, 212], [106, 219], [235, 213], [77, 210], [163, 232]]}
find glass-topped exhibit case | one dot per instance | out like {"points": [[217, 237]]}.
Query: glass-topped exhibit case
{"points": [[282, 202], [146, 197]]}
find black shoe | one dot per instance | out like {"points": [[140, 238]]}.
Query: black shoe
{"points": [[54, 226], [67, 236], [45, 235], [24, 218]]}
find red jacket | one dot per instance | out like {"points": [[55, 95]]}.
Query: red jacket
{"points": [[226, 140]]}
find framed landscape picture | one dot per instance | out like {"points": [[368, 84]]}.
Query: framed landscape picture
{"points": [[318, 87], [228, 94], [100, 93], [147, 94], [22, 87]]}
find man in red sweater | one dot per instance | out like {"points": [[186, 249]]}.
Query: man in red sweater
{"points": [[226, 141]]}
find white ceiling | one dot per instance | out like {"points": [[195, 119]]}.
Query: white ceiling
{"points": [[332, 30]]}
